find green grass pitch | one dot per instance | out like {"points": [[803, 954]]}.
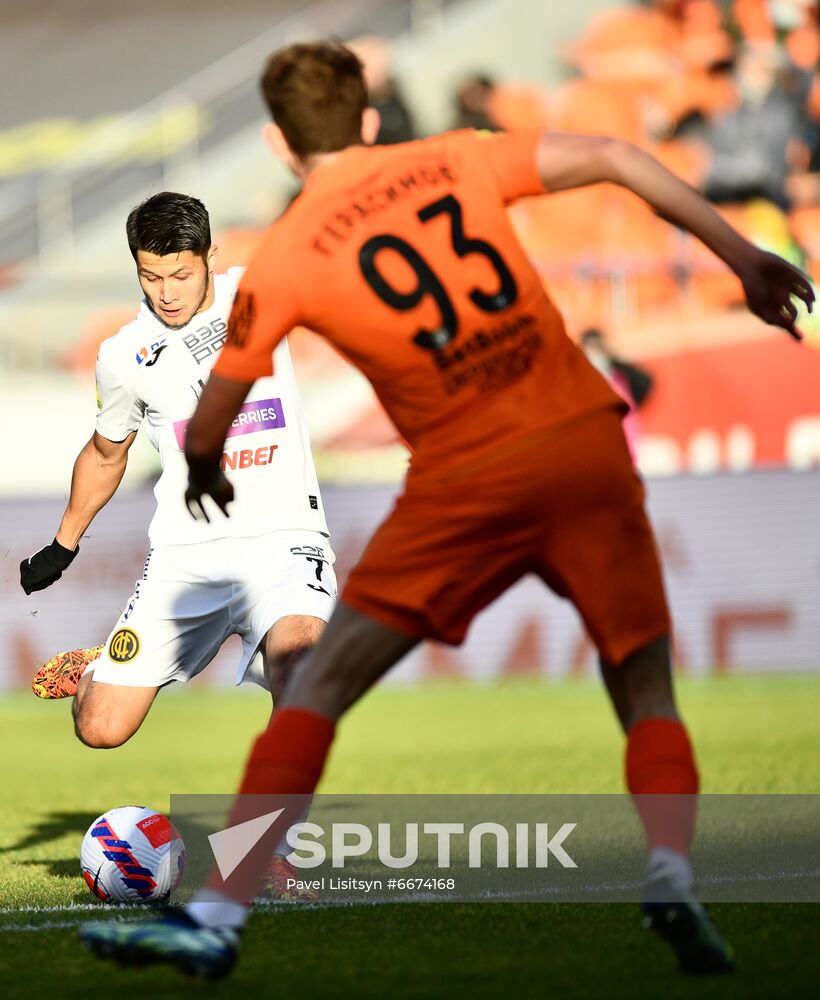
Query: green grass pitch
{"points": [[753, 734]]}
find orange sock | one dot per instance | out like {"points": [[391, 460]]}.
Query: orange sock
{"points": [[660, 762], [288, 758]]}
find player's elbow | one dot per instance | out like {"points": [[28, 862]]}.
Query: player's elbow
{"points": [[620, 161], [571, 161]]}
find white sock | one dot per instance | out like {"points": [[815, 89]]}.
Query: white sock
{"points": [[283, 848], [666, 863], [212, 908]]}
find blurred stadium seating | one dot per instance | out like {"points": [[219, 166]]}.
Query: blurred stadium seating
{"points": [[656, 73]]}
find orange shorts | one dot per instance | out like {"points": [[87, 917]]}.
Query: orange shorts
{"points": [[569, 508]]}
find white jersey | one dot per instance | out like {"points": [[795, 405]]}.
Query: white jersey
{"points": [[150, 372]]}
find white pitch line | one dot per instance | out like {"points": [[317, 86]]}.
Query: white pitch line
{"points": [[52, 926], [66, 908]]}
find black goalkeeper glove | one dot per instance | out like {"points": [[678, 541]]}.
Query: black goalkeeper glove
{"points": [[45, 566]]}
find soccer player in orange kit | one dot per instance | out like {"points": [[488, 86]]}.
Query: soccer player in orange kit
{"points": [[404, 258]]}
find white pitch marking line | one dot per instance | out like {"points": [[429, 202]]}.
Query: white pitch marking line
{"points": [[66, 908], [52, 926]]}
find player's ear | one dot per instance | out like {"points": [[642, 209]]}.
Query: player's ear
{"points": [[211, 259], [276, 143], [371, 123]]}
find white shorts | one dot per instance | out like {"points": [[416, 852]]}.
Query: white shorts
{"points": [[192, 597]]}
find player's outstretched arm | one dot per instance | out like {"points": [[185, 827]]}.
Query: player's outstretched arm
{"points": [[570, 161], [216, 410], [97, 473]]}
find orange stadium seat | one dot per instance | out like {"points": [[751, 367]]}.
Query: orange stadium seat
{"points": [[640, 252], [803, 45], [560, 236], [600, 249], [710, 285], [704, 41], [560, 231], [686, 159], [694, 92], [514, 106], [628, 44], [754, 20], [592, 106], [583, 300]]}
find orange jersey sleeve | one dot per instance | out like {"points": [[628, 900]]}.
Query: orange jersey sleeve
{"points": [[512, 159], [265, 310]]}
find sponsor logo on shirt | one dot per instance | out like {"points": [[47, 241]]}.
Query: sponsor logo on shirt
{"points": [[153, 351], [206, 340], [260, 415], [247, 457], [155, 357], [243, 314]]}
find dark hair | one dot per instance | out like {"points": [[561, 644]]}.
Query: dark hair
{"points": [[590, 334], [169, 223], [316, 94]]}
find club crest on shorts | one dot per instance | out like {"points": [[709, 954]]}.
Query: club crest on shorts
{"points": [[124, 645]]}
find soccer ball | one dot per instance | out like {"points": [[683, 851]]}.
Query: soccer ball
{"points": [[132, 855]]}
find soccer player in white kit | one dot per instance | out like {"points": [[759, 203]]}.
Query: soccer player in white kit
{"points": [[265, 573]]}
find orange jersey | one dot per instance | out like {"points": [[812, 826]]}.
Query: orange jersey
{"points": [[404, 258]]}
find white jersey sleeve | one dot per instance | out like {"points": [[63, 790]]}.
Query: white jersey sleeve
{"points": [[119, 411]]}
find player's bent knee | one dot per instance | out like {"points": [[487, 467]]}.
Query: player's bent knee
{"points": [[287, 642], [291, 635], [109, 715], [99, 733]]}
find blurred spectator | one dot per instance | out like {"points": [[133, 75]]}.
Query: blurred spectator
{"points": [[396, 121], [473, 100], [629, 380], [633, 382], [752, 144]]}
